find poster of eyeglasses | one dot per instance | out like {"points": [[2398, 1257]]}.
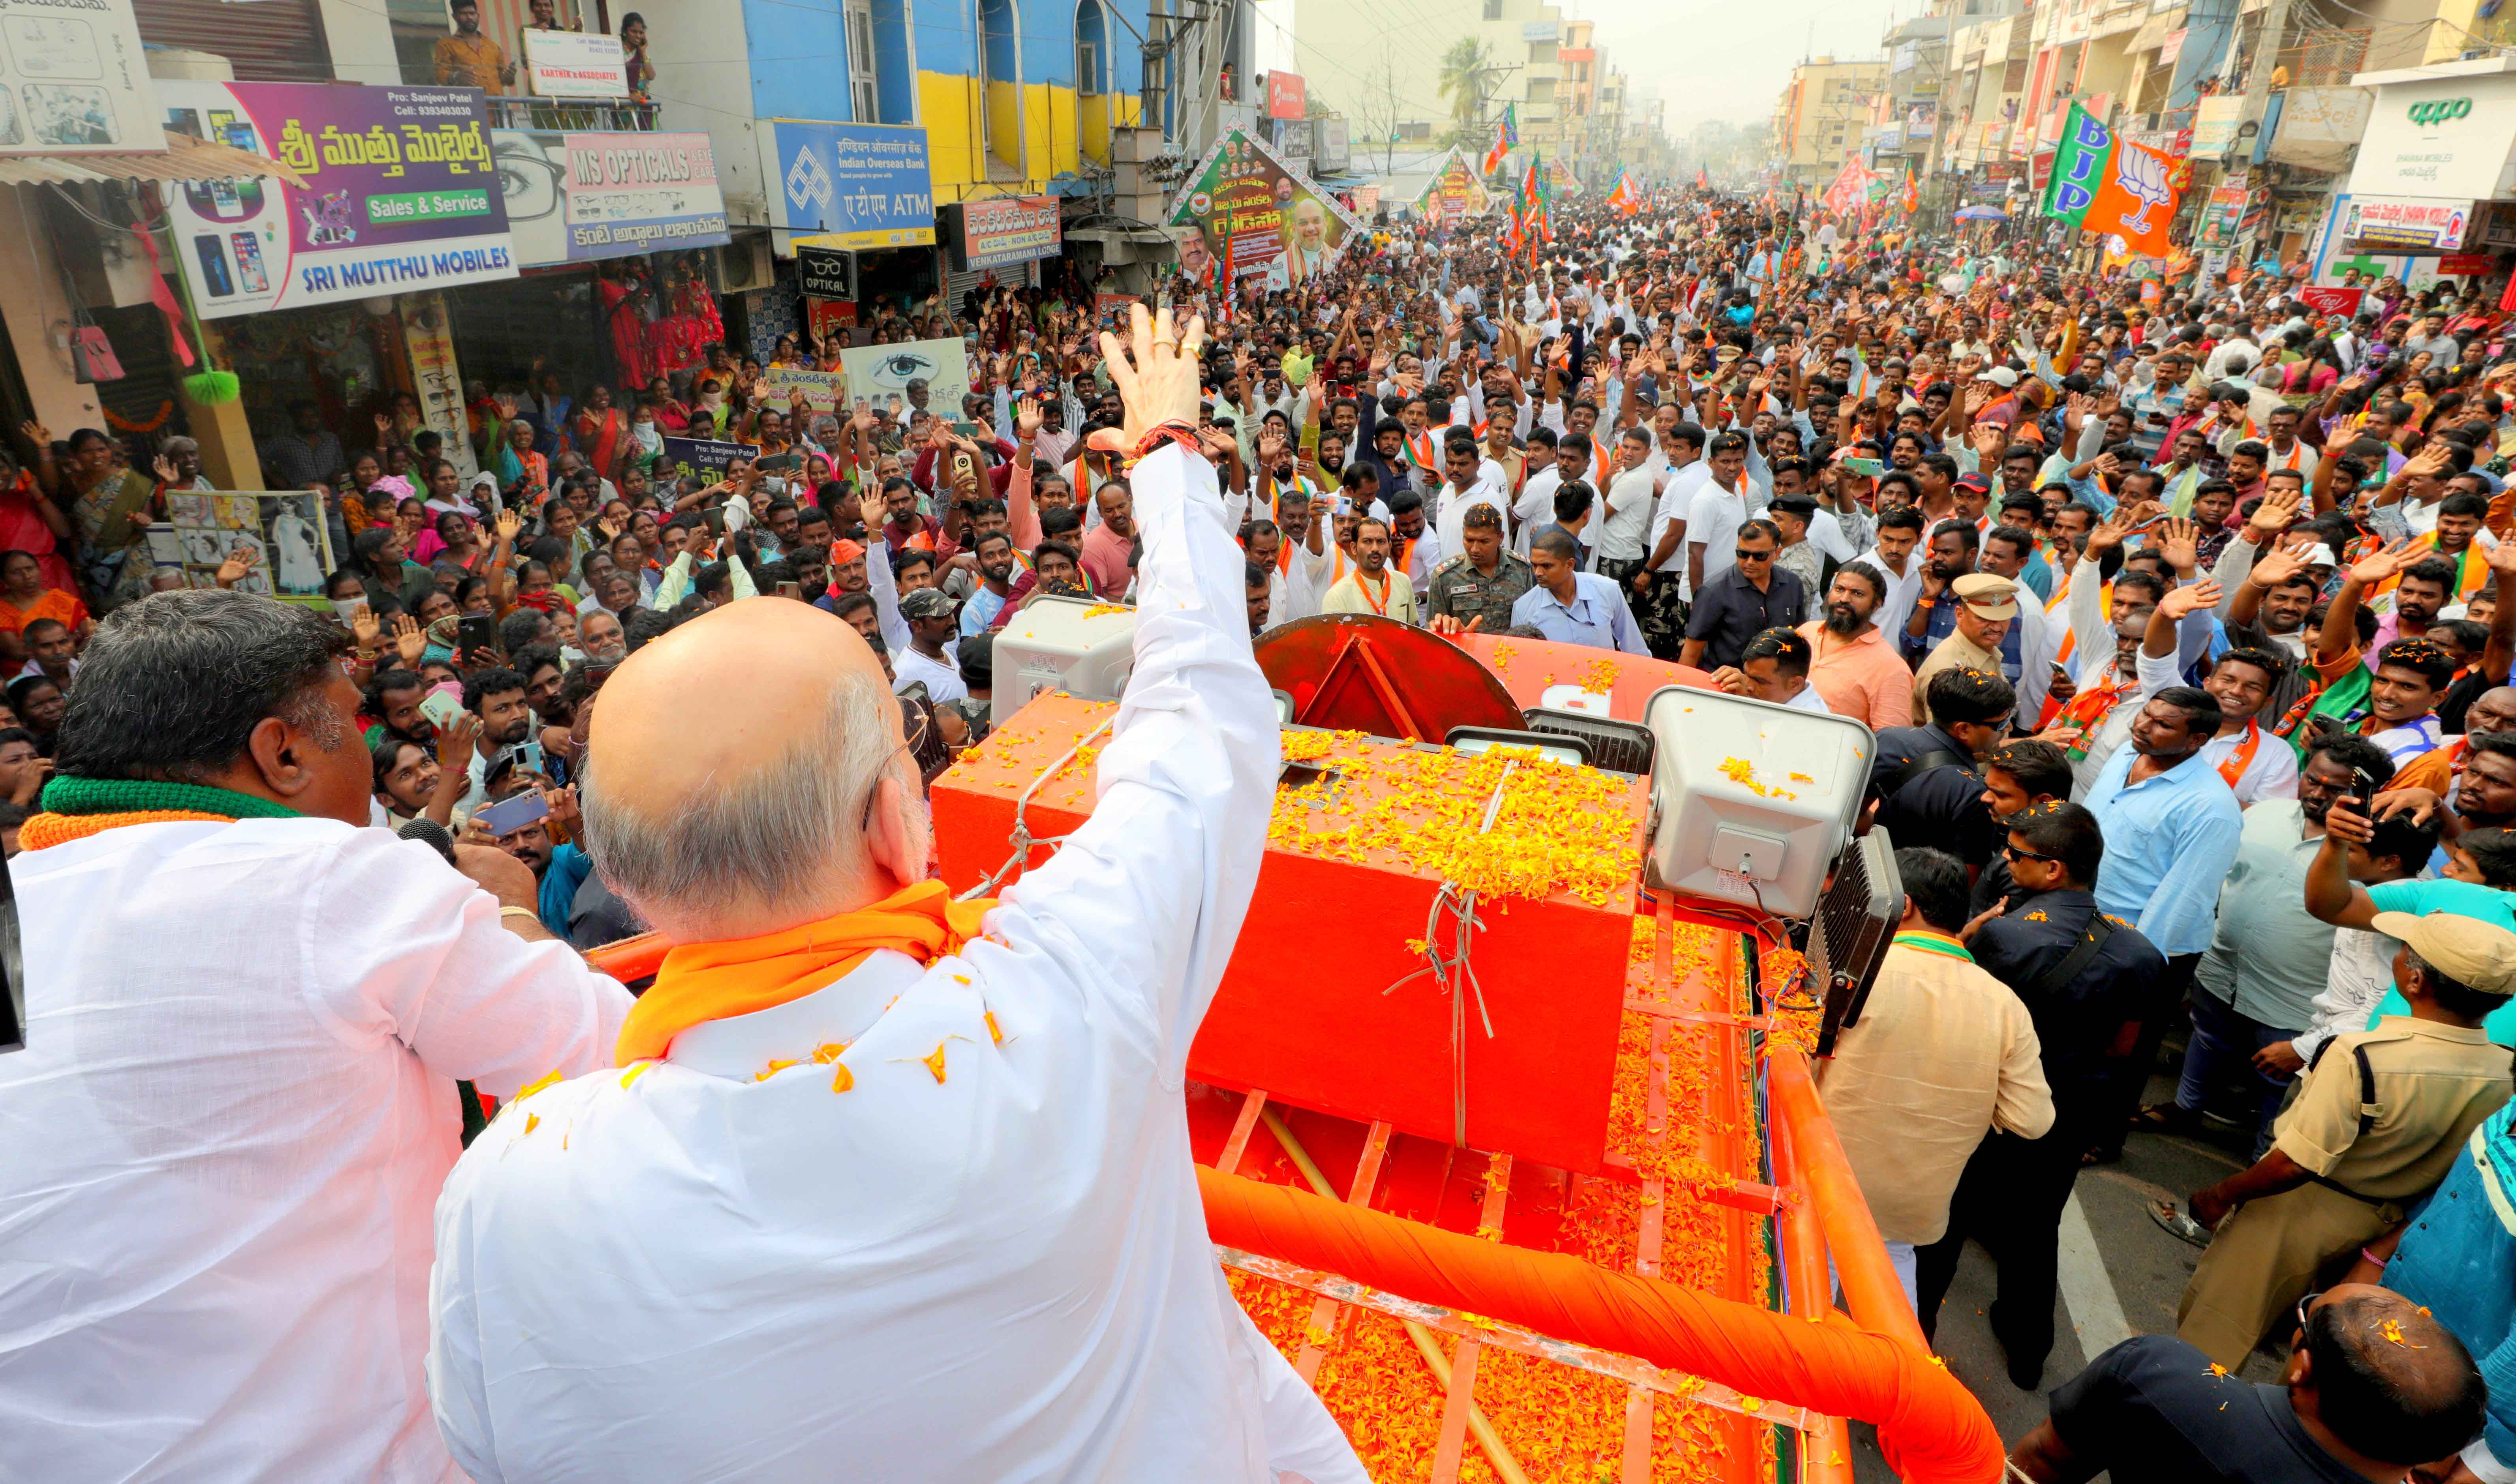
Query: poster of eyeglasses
{"points": [[881, 376], [281, 530], [574, 197], [72, 80]]}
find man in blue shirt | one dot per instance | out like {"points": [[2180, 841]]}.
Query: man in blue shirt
{"points": [[1571, 606], [2171, 828]]}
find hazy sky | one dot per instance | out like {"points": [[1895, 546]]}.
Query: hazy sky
{"points": [[1730, 58]]}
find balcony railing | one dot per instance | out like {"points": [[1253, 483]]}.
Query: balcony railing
{"points": [[588, 113], [2324, 59]]}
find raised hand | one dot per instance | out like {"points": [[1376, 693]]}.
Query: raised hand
{"points": [[364, 628], [2179, 542], [410, 642], [2379, 565], [2188, 600], [2272, 516], [240, 562], [456, 739], [1155, 371], [36, 434]]}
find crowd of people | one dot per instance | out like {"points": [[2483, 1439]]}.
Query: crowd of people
{"points": [[2174, 605]]}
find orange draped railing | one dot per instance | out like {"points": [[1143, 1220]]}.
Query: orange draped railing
{"points": [[1932, 1430]]}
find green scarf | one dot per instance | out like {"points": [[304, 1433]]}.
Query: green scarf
{"points": [[132, 796]]}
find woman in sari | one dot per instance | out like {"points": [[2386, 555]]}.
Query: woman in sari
{"points": [[523, 471], [602, 433], [32, 522]]}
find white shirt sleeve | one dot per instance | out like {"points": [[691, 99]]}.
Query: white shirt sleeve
{"points": [[1145, 900], [886, 596], [444, 977]]}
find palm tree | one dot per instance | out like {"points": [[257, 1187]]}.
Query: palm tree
{"points": [[1463, 66]]}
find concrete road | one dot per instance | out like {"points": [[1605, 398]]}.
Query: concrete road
{"points": [[2121, 1276]]}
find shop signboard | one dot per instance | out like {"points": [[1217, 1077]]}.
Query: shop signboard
{"points": [[2406, 222], [2214, 125], [1006, 231], [826, 273], [1541, 31], [574, 64], [1273, 219], [1331, 143], [72, 80], [879, 375], [822, 390], [2444, 138], [1286, 95], [578, 197], [848, 185], [705, 458], [281, 532], [2173, 45], [401, 194]]}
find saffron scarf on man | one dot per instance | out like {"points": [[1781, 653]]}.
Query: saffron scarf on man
{"points": [[700, 982]]}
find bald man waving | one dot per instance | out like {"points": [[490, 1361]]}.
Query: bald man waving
{"points": [[887, 1186]]}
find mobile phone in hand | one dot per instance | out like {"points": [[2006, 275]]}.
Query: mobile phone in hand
{"points": [[508, 815], [478, 632], [442, 706]]}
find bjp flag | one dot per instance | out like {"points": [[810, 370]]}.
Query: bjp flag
{"points": [[2103, 185]]}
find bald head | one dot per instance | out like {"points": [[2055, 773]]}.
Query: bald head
{"points": [[744, 776], [2387, 1380]]}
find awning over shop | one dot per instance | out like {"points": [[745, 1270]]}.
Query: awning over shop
{"points": [[185, 158]]}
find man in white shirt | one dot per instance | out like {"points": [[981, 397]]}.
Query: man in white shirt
{"points": [[1775, 666], [866, 1137], [929, 655], [238, 1099], [1464, 486], [1535, 505]]}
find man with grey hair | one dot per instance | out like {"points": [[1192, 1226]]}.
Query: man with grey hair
{"points": [[247, 1015], [889, 1185]]}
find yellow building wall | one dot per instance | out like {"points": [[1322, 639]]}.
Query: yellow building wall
{"points": [[1045, 132]]}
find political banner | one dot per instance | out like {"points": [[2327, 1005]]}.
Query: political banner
{"points": [[1849, 189], [1454, 192], [1276, 221], [281, 532], [879, 375], [576, 198], [822, 391], [849, 185], [705, 458], [2099, 184], [401, 194], [72, 80]]}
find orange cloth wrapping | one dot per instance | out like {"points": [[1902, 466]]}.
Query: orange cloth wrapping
{"points": [[712, 981], [1931, 1429]]}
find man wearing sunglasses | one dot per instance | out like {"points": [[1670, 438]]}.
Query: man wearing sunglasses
{"points": [[1743, 601], [2375, 1387]]}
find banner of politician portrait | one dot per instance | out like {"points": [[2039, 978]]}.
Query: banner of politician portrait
{"points": [[280, 534], [1253, 213]]}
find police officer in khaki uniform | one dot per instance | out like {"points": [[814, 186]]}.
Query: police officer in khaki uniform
{"points": [[2376, 1121], [1476, 589]]}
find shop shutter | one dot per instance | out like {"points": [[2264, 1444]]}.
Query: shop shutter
{"points": [[266, 41]]}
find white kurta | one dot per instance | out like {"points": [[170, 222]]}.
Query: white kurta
{"points": [[225, 1136], [1004, 1275]]}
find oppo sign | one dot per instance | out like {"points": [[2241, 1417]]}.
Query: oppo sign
{"points": [[2440, 111]]}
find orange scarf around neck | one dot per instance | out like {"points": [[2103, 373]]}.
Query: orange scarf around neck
{"points": [[700, 982]]}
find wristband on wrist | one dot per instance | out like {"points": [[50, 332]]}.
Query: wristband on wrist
{"points": [[1172, 432]]}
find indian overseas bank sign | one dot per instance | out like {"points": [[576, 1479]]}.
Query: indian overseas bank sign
{"points": [[848, 185]]}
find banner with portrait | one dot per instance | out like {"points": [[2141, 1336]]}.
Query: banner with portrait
{"points": [[1274, 221], [281, 532]]}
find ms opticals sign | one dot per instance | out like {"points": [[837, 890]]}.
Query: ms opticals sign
{"points": [[400, 192]]}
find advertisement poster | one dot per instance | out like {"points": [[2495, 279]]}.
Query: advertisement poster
{"points": [[822, 390], [1286, 96], [880, 375], [72, 80], [704, 458], [852, 186], [2327, 301], [437, 377], [401, 194], [1007, 231], [1274, 221], [576, 197], [826, 317], [283, 530], [574, 64], [1454, 192], [2406, 223]]}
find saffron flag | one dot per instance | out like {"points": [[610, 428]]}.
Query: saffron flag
{"points": [[2104, 185], [1704, 179], [1849, 189], [1506, 135], [1625, 198], [1530, 192], [1912, 195]]}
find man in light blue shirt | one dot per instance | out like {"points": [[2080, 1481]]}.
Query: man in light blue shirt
{"points": [[2171, 828], [1571, 606]]}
